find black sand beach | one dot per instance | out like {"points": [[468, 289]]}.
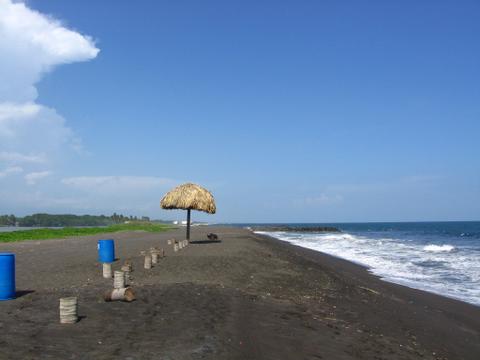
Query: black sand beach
{"points": [[245, 297]]}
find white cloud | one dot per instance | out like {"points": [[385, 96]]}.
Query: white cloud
{"points": [[34, 177], [323, 199], [10, 171], [15, 157], [32, 44], [33, 128], [106, 185]]}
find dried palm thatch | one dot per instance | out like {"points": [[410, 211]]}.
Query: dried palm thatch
{"points": [[189, 197]]}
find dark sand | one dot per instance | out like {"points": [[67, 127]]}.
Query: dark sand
{"points": [[246, 297]]}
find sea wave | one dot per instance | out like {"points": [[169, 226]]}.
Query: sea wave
{"points": [[440, 268], [439, 248]]}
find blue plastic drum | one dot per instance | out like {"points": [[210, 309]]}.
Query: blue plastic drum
{"points": [[106, 251], [7, 276]]}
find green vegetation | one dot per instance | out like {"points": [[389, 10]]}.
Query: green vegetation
{"points": [[43, 234], [49, 220], [8, 220]]}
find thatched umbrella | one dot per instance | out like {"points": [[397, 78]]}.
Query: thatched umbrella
{"points": [[189, 197]]}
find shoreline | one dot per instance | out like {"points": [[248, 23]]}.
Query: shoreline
{"points": [[249, 296], [352, 266], [367, 269]]}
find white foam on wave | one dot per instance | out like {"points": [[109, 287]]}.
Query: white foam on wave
{"points": [[435, 268], [439, 248]]}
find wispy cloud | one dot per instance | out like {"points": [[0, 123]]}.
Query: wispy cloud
{"points": [[11, 170], [33, 177], [116, 184], [383, 186], [323, 199], [16, 157]]}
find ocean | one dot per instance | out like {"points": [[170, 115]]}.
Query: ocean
{"points": [[15, 228], [439, 257]]}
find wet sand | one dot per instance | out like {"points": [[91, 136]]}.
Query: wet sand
{"points": [[245, 297]]}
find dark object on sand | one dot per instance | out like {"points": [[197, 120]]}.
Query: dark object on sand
{"points": [[288, 228], [189, 197], [124, 294], [7, 276], [212, 237]]}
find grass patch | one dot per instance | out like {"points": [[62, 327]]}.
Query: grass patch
{"points": [[44, 234]]}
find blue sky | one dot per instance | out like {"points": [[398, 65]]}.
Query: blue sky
{"points": [[312, 111]]}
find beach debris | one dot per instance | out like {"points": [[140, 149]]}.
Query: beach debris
{"points": [[128, 278], [175, 247], [170, 241], [118, 279], [68, 310], [127, 269], [107, 270], [189, 197], [155, 253], [212, 237], [369, 290], [148, 262], [123, 294]]}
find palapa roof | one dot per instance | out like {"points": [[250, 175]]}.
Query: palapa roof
{"points": [[189, 196]]}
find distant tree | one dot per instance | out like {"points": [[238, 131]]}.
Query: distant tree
{"points": [[47, 220]]}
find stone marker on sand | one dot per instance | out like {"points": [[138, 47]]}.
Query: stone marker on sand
{"points": [[68, 310], [127, 269], [107, 270], [148, 262], [118, 280]]}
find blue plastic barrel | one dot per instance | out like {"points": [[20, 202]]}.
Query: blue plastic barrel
{"points": [[7, 276], [106, 251]]}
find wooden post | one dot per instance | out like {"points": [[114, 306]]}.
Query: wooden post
{"points": [[188, 224]]}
